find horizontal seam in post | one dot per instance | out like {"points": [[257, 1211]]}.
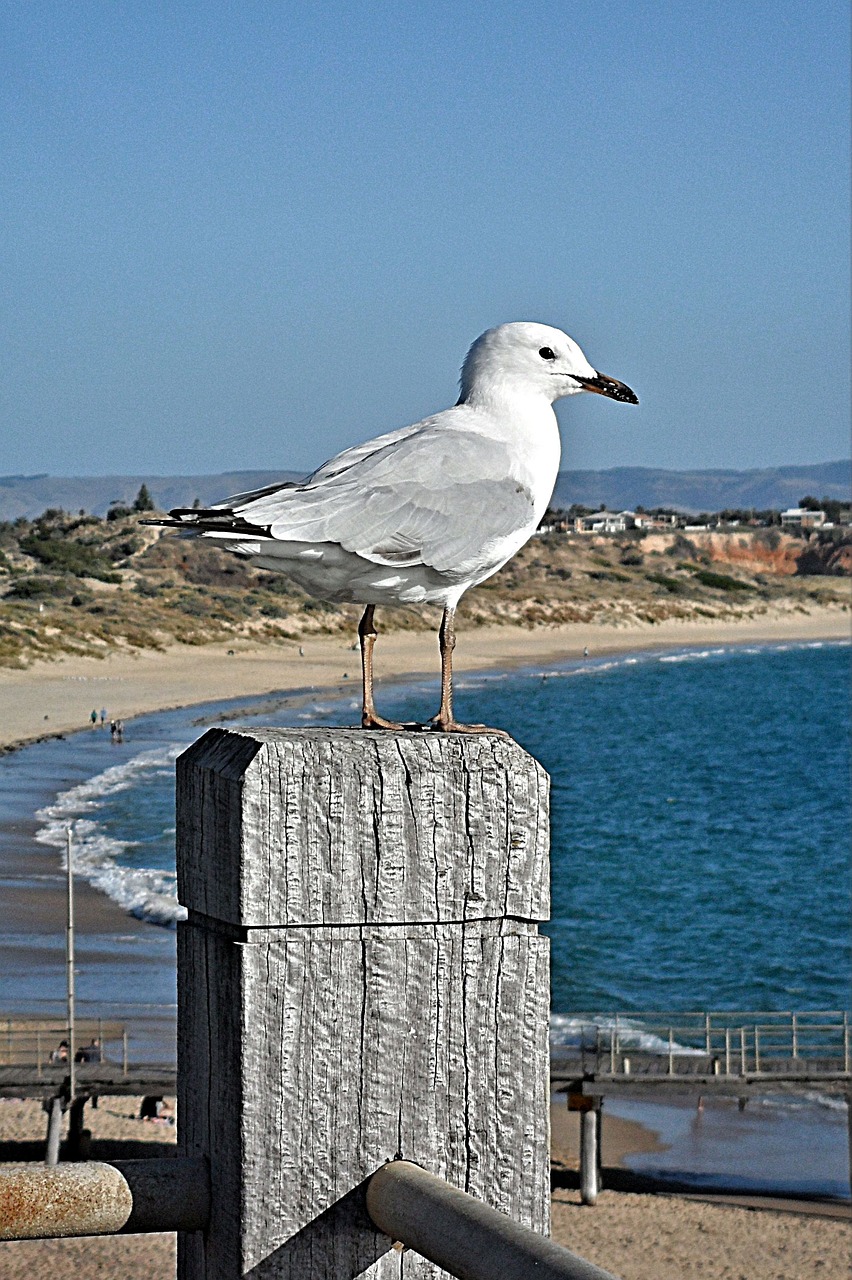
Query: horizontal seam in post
{"points": [[239, 931]]}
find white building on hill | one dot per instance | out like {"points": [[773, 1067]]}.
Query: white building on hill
{"points": [[605, 522], [801, 518]]}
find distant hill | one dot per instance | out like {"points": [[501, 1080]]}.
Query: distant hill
{"points": [[30, 495], [623, 488], [617, 488]]}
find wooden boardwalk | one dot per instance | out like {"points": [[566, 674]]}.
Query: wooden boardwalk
{"points": [[106, 1079]]}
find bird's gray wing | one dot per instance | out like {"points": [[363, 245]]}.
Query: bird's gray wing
{"points": [[359, 453], [439, 496], [341, 462]]}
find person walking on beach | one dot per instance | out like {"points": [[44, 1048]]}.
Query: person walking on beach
{"points": [[103, 716], [94, 718]]}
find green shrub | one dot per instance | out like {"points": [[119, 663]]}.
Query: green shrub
{"points": [[607, 575], [37, 587], [720, 581], [67, 556], [671, 585]]}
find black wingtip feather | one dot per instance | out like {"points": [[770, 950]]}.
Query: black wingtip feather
{"points": [[209, 520]]}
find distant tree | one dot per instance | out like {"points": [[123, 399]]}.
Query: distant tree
{"points": [[552, 516], [118, 510], [196, 504], [832, 508], [143, 500]]}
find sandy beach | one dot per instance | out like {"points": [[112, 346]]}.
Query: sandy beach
{"points": [[53, 698], [634, 1235]]}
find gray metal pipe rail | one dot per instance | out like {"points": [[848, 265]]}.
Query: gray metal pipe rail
{"points": [[95, 1199], [467, 1238], [447, 1226]]}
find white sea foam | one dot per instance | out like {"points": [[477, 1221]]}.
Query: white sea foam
{"points": [[804, 1101], [589, 1031], [148, 893], [691, 655]]}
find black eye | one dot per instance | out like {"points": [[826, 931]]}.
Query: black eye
{"points": [[547, 354]]}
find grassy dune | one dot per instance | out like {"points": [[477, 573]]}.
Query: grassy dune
{"points": [[87, 586]]}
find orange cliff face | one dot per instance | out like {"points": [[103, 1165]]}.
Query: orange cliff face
{"points": [[772, 551]]}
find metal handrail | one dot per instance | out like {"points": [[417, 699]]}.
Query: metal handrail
{"points": [[763, 1038], [467, 1238], [35, 1044], [447, 1226], [94, 1198]]}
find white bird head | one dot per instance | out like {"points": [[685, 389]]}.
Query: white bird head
{"points": [[526, 358]]}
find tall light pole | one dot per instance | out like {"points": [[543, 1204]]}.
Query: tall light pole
{"points": [[69, 964]]}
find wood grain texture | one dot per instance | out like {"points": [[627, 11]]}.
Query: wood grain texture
{"points": [[338, 826], [393, 1005]]}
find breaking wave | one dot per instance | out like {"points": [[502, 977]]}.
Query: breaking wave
{"points": [[117, 866], [588, 1031]]}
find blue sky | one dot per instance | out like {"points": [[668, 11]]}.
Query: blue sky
{"points": [[246, 235]]}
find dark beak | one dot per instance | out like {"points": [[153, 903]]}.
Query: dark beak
{"points": [[611, 387]]}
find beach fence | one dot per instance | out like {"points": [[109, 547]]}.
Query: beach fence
{"points": [[27, 1039], [363, 1017]]}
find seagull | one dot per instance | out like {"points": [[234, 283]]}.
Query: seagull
{"points": [[421, 514]]}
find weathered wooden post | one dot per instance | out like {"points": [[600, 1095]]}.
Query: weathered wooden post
{"points": [[360, 977]]}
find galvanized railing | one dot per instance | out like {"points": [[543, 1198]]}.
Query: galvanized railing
{"points": [[26, 1042], [735, 1042], [466, 1237]]}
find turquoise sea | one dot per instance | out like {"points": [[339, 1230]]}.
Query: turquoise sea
{"points": [[700, 827]]}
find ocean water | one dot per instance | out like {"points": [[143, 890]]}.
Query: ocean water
{"points": [[700, 842], [700, 818]]}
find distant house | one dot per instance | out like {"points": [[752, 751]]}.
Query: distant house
{"points": [[802, 518], [666, 520], [605, 522]]}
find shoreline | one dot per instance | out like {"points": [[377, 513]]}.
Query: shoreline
{"points": [[51, 700]]}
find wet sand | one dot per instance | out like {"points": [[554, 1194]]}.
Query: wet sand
{"points": [[58, 697], [636, 1236]]}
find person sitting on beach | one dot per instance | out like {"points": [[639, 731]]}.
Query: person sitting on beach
{"points": [[60, 1054], [148, 1109], [90, 1052], [157, 1110]]}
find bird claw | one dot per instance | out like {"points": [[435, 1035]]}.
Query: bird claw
{"points": [[437, 725], [378, 722]]}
